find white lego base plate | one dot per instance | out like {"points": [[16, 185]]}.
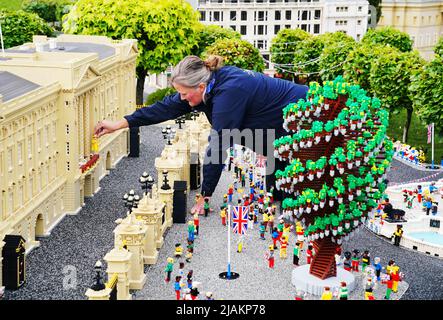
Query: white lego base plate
{"points": [[303, 280]]}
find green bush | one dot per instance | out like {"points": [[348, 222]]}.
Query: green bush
{"points": [[438, 49], [389, 36], [239, 53], [209, 34], [18, 27], [158, 95], [48, 10]]}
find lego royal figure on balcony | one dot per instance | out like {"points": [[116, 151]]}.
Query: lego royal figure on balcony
{"points": [[208, 86]]}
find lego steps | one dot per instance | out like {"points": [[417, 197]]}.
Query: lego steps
{"points": [[323, 265]]}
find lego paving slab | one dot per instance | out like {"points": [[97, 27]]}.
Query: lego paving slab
{"points": [[79, 241]]}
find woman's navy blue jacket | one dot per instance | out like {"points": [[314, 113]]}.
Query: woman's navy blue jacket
{"points": [[239, 99]]}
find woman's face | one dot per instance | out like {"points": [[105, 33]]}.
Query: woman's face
{"points": [[194, 96]]}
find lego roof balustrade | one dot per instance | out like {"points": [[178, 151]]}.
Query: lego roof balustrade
{"points": [[12, 86]]}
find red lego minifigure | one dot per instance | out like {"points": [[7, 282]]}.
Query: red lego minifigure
{"points": [[270, 256], [309, 254]]}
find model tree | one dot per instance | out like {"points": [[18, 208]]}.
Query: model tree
{"points": [[338, 158]]}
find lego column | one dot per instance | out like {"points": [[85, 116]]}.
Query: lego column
{"points": [[119, 261], [132, 234], [147, 213], [160, 209], [170, 162], [166, 196], [98, 295], [181, 145]]}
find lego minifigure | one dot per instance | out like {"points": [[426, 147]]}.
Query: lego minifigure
{"points": [[271, 219], [169, 268], [190, 246], [283, 247], [296, 253], [256, 214], [230, 192], [187, 294], [270, 257], [275, 237], [189, 279], [300, 295], [286, 230], [206, 206], [243, 179], [188, 256], [419, 192], [194, 291], [389, 284], [300, 233], [369, 287], [327, 294], [377, 267], [181, 273], [309, 254], [280, 228], [191, 230], [223, 215], [235, 184], [198, 206], [395, 275], [262, 231], [177, 287], [178, 250], [251, 218], [355, 260], [343, 291], [240, 244], [265, 220], [397, 235], [347, 262], [196, 223], [365, 259]]}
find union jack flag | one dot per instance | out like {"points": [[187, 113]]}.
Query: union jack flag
{"points": [[240, 219], [260, 161]]}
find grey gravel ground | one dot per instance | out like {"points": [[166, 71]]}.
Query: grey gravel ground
{"points": [[403, 173], [81, 240]]}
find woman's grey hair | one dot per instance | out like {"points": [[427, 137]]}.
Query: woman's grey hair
{"points": [[192, 70]]}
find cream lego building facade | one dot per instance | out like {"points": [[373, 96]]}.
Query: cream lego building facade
{"points": [[52, 93], [421, 19]]}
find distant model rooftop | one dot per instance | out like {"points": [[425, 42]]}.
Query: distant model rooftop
{"points": [[102, 50], [12, 86]]}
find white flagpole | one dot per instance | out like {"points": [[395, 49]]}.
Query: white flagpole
{"points": [[229, 241], [1, 38], [433, 146]]}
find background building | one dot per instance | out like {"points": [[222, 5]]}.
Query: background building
{"points": [[258, 21], [52, 93], [421, 19]]}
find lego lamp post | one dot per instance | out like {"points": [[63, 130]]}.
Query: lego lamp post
{"points": [[180, 120], [147, 181], [165, 185], [131, 200], [168, 134], [98, 285]]}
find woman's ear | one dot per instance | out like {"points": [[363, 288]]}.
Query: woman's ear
{"points": [[202, 87]]}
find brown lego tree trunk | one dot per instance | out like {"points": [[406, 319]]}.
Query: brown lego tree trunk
{"points": [[323, 265]]}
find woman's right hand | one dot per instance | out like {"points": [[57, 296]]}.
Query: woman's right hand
{"points": [[105, 126]]}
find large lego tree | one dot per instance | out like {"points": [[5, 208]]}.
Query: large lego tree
{"points": [[338, 156]]}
